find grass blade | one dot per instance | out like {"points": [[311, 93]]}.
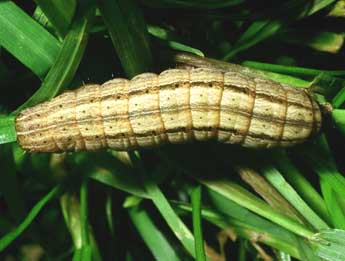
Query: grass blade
{"points": [[301, 185], [278, 181], [171, 42], [154, 239], [244, 198], [10, 237], [197, 229], [59, 13], [175, 223], [67, 62], [294, 70], [7, 130], [338, 116], [128, 33], [25, 39]]}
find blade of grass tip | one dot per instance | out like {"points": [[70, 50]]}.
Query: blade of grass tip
{"points": [[246, 199], [197, 229], [128, 33], [9, 186], [301, 184], [11, 236], [59, 13], [171, 41], [7, 129], [27, 40], [278, 181], [321, 41], [295, 70], [66, 63], [338, 116], [318, 5], [152, 236]]}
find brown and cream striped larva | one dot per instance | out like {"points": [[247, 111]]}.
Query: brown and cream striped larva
{"points": [[176, 106]]}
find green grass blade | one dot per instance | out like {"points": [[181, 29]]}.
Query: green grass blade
{"points": [[171, 41], [197, 228], [318, 5], [25, 39], [338, 116], [11, 236], [320, 41], [278, 181], [67, 62], [84, 222], [59, 13], [152, 236], [129, 35], [7, 129], [257, 32], [332, 182], [301, 185], [339, 98], [249, 225], [244, 198], [175, 223], [294, 70], [268, 192], [337, 212]]}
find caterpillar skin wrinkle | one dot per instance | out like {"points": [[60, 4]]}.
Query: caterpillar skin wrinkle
{"points": [[176, 106]]}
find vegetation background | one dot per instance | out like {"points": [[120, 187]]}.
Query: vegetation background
{"points": [[185, 202]]}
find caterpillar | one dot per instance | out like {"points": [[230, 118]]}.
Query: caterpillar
{"points": [[176, 106]]}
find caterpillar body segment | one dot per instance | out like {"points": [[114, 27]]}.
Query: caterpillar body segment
{"points": [[176, 106]]}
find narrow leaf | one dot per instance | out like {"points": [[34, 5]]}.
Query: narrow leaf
{"points": [[66, 64], [152, 236], [7, 239], [25, 39], [59, 13], [128, 33], [7, 130]]}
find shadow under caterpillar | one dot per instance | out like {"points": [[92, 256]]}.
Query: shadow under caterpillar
{"points": [[176, 106]]}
